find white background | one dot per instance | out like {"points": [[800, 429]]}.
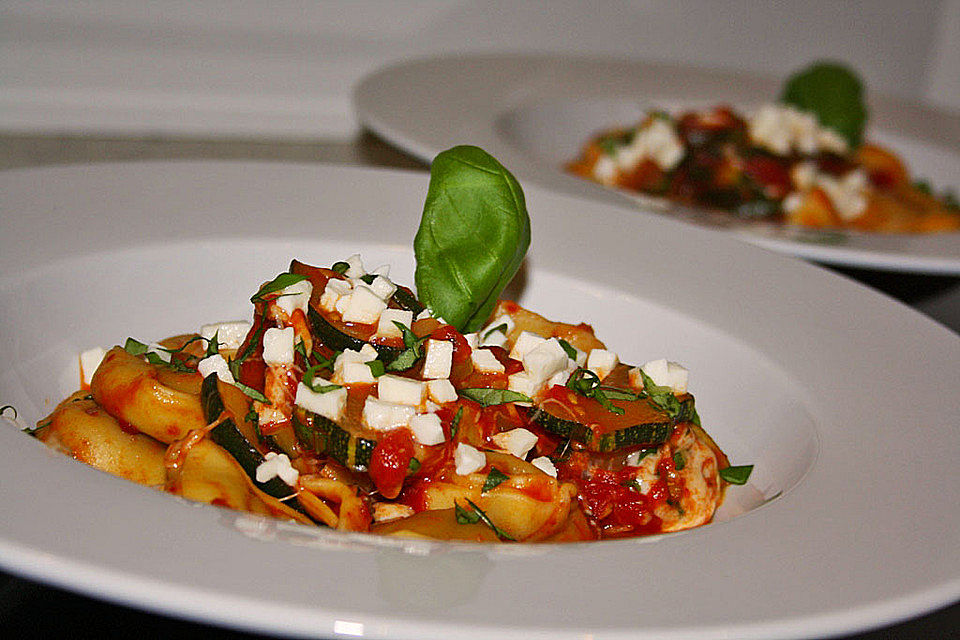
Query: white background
{"points": [[287, 69]]}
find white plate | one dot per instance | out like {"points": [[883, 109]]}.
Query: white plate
{"points": [[845, 401], [534, 113]]}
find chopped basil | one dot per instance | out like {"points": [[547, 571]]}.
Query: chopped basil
{"points": [[251, 346], [279, 283], [376, 367], [309, 380], [455, 423], [563, 451], [620, 394], [134, 347], [413, 351], [137, 348], [494, 478], [251, 392], [500, 327], [490, 397], [414, 465], [737, 475], [340, 267], [213, 344], [587, 384], [569, 348], [465, 517], [663, 397], [678, 461]]}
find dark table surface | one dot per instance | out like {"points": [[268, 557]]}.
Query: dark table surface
{"points": [[32, 610]]}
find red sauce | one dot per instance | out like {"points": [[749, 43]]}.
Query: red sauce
{"points": [[390, 460], [619, 510]]}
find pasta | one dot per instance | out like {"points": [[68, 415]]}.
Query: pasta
{"points": [[346, 404]]}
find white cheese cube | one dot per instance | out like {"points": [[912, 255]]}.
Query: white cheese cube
{"points": [[602, 362], [523, 383], [278, 346], [339, 286], [525, 343], [441, 391], [355, 268], [363, 306], [560, 378], [426, 428], [230, 335], [277, 465], [438, 359], [354, 372], [544, 360], [400, 390], [473, 340], [501, 324], [468, 459], [387, 511], [329, 404], [385, 326], [493, 339], [89, 361], [383, 287], [667, 374], [546, 465], [516, 442], [423, 315], [485, 362], [215, 364], [161, 352], [384, 416], [293, 297]]}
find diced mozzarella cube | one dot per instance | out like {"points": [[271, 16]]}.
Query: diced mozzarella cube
{"points": [[546, 465], [277, 465], [667, 374], [355, 373], [215, 364], [400, 390], [438, 360], [329, 404], [355, 268], [493, 339], [468, 459], [441, 391], [605, 170], [89, 361], [230, 335], [363, 306], [383, 287], [525, 343], [602, 362], [473, 340], [338, 286], [278, 346], [544, 360], [516, 442], [423, 315], [384, 416], [386, 326], [485, 362], [503, 323], [560, 378], [523, 383], [426, 428], [293, 297]]}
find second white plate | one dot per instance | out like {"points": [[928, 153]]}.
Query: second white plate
{"points": [[534, 112]]}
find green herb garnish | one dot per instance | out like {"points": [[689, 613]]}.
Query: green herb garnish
{"points": [[413, 352], [376, 367], [833, 93], [663, 397], [317, 386], [494, 478], [414, 465], [455, 423], [568, 348], [737, 475], [279, 283], [490, 397], [678, 461], [587, 384], [466, 517], [473, 235]]}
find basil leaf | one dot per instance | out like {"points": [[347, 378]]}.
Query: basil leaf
{"points": [[134, 347], [472, 238], [340, 267], [737, 475], [502, 327], [405, 360], [490, 397], [568, 348], [663, 397], [620, 394], [834, 93], [678, 461], [494, 478], [309, 380], [376, 367], [587, 384], [487, 521], [282, 281], [464, 516], [455, 423], [251, 393], [213, 344], [414, 465]]}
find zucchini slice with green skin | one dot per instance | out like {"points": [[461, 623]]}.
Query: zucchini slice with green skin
{"points": [[649, 434], [327, 334], [229, 437], [324, 436]]}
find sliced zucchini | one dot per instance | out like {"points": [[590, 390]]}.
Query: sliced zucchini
{"points": [[650, 433], [345, 444], [227, 435], [338, 340]]}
